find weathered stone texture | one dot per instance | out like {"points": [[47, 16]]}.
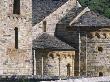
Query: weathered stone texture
{"points": [[6, 7], [3, 9], [92, 61], [98, 61], [93, 48], [70, 37], [52, 65], [58, 11], [15, 61]]}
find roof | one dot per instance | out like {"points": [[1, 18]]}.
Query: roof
{"points": [[46, 41], [92, 19], [43, 8], [70, 15]]}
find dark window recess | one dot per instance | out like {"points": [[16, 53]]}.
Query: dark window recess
{"points": [[100, 74], [68, 69], [98, 35], [16, 37], [100, 49], [16, 7], [44, 26]]}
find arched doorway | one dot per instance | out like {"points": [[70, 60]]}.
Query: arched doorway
{"points": [[100, 74], [68, 69]]}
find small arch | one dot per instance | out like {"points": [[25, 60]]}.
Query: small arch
{"points": [[68, 69], [69, 55], [97, 34], [51, 55], [104, 34], [58, 55], [100, 74]]}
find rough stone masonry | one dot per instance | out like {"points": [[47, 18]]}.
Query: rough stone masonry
{"points": [[19, 61], [23, 23], [15, 61]]}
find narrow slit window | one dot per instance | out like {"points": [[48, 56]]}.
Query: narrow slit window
{"points": [[68, 69], [16, 37], [16, 7]]}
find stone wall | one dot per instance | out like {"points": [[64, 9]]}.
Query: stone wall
{"points": [[98, 55], [6, 7], [94, 53], [82, 51], [70, 37], [92, 61], [15, 61], [52, 65], [3, 9], [58, 10]]}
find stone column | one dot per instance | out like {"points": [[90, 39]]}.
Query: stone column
{"points": [[86, 54], [34, 62], [59, 65], [42, 67], [79, 52], [72, 65]]}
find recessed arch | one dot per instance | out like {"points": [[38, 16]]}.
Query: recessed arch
{"points": [[97, 34], [68, 69], [105, 35], [100, 73], [51, 55]]}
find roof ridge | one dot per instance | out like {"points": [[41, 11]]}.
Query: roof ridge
{"points": [[92, 19], [70, 15], [79, 15]]}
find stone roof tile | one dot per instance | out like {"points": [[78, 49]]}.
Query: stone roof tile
{"points": [[46, 41], [70, 15], [92, 19]]}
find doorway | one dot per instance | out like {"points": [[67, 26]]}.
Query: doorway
{"points": [[100, 74], [68, 69]]}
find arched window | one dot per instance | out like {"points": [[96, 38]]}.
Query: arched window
{"points": [[16, 7], [68, 69], [51, 55], [100, 74], [97, 34], [16, 37], [104, 34]]}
